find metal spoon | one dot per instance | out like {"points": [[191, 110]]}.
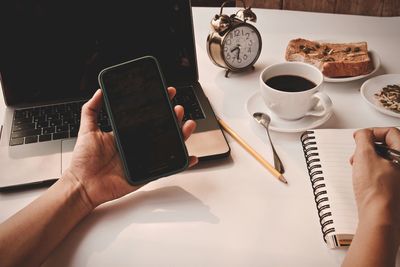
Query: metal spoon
{"points": [[264, 120]]}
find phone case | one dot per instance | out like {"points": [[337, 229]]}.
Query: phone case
{"points": [[116, 133]]}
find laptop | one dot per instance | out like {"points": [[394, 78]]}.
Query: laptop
{"points": [[50, 57]]}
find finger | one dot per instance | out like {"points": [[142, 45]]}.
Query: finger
{"points": [[193, 160], [365, 147], [89, 113], [171, 92], [389, 135], [179, 112], [188, 128]]}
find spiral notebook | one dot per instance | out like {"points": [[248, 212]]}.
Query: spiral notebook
{"points": [[327, 153]]}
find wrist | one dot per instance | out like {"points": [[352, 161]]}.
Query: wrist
{"points": [[78, 190], [380, 212]]}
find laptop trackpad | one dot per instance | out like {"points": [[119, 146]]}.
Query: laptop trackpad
{"points": [[30, 163], [67, 146]]}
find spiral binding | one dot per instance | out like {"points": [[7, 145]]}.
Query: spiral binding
{"points": [[317, 182]]}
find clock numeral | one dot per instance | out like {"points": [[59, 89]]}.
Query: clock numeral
{"points": [[228, 56], [239, 60], [249, 50], [247, 35], [236, 32], [225, 49], [229, 41], [245, 57], [250, 42]]}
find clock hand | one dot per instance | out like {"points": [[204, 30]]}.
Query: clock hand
{"points": [[234, 49]]}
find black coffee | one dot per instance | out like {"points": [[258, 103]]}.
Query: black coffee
{"points": [[290, 83]]}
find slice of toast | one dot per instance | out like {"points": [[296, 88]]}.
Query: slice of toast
{"points": [[333, 59]]}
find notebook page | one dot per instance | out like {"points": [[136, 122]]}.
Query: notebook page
{"points": [[335, 147]]}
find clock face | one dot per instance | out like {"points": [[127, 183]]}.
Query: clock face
{"points": [[241, 46]]}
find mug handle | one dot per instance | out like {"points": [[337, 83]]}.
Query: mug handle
{"points": [[325, 102]]}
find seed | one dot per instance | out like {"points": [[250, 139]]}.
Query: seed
{"points": [[389, 97], [328, 59], [306, 50]]}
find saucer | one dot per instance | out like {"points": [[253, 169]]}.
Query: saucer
{"points": [[255, 103], [373, 86]]}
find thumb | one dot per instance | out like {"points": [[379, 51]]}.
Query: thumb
{"points": [[89, 113]]}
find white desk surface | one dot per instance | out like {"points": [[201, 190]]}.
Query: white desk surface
{"points": [[233, 212]]}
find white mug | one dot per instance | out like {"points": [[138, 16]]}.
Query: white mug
{"points": [[295, 105]]}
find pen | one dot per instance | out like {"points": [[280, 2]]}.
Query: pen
{"points": [[388, 153], [249, 149]]}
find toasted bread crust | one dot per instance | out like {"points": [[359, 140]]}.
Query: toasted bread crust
{"points": [[333, 59]]}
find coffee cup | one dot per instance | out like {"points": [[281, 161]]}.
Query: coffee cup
{"points": [[292, 90]]}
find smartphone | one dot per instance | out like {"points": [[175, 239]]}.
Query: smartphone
{"points": [[146, 130]]}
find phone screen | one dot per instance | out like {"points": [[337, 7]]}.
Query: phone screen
{"points": [[144, 124]]}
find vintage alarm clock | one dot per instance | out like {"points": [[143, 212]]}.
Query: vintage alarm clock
{"points": [[233, 43]]}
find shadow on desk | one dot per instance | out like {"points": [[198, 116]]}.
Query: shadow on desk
{"points": [[101, 229]]}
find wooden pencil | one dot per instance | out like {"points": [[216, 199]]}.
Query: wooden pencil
{"points": [[249, 149]]}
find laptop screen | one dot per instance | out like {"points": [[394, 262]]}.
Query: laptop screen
{"points": [[52, 51]]}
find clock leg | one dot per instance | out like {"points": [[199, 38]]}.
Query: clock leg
{"points": [[227, 73]]}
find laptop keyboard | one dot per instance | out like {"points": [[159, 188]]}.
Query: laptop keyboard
{"points": [[40, 124], [61, 121], [186, 97]]}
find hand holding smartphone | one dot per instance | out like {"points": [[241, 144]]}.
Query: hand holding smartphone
{"points": [[146, 130]]}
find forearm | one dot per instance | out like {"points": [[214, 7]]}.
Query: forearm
{"points": [[28, 237], [376, 241]]}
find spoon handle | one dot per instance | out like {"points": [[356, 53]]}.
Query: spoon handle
{"points": [[277, 161]]}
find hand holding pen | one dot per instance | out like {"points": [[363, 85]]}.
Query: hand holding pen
{"points": [[376, 169], [376, 185]]}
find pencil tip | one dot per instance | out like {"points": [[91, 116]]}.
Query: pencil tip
{"points": [[282, 178]]}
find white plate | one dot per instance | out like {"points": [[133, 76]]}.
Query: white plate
{"points": [[374, 85], [375, 60], [255, 103]]}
